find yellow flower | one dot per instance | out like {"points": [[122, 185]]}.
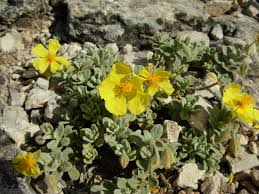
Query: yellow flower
{"points": [[153, 190], [26, 164], [242, 104], [47, 61], [122, 90], [155, 80]]}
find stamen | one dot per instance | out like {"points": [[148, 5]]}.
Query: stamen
{"points": [[124, 88]]}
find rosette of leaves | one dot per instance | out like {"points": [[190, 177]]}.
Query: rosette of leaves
{"points": [[90, 137], [60, 156], [184, 107], [225, 59], [116, 135], [176, 54], [194, 146], [153, 152], [220, 126]]}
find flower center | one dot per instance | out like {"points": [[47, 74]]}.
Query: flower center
{"points": [[51, 58], [28, 162], [124, 88], [152, 80]]}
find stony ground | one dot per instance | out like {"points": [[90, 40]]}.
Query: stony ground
{"points": [[124, 26]]}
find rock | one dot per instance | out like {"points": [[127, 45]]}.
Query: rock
{"points": [[38, 98], [172, 130], [14, 121], [211, 78], [30, 73], [248, 185], [53, 112], [73, 49], [243, 28], [251, 11], [243, 191], [128, 48], [16, 98], [199, 119], [245, 161], [42, 83], [128, 21], [189, 176], [242, 139], [7, 43], [113, 47], [13, 10], [255, 177], [4, 79], [218, 7], [139, 58], [194, 36], [234, 41], [214, 184], [36, 116], [253, 147], [217, 32]]}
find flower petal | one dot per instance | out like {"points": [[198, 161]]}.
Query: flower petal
{"points": [[121, 68], [53, 46], [162, 74], [106, 88], [138, 103], [41, 64], [166, 86], [40, 51], [231, 93], [63, 60], [152, 90], [144, 73], [55, 66], [116, 105]]}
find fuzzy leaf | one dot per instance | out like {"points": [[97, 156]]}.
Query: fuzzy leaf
{"points": [[74, 174]]}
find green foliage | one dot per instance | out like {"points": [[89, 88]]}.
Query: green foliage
{"points": [[125, 154], [181, 55], [194, 146], [184, 107]]}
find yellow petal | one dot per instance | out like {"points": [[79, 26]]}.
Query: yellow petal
{"points": [[53, 46], [106, 88], [166, 86], [137, 83], [121, 68], [63, 60], [40, 51], [41, 64], [116, 105], [152, 90], [162, 74], [232, 92], [55, 66], [256, 115], [138, 103], [144, 73]]}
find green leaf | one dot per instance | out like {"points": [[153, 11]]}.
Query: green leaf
{"points": [[74, 174], [66, 166], [65, 141], [52, 144], [122, 183], [156, 131], [146, 152]]}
